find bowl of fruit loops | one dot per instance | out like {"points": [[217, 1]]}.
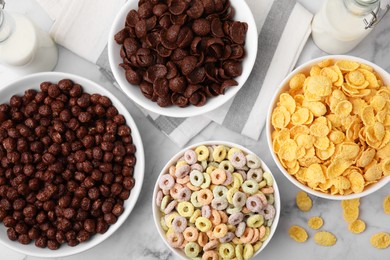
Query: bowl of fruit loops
{"points": [[328, 127], [216, 200]]}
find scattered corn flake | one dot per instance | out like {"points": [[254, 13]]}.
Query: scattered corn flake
{"points": [[325, 238], [386, 205], [303, 201], [357, 227], [298, 233], [380, 240], [315, 222]]}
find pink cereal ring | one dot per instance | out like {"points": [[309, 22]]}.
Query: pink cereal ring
{"points": [[267, 190], [182, 171], [253, 203], [263, 198], [170, 206], [238, 160], [175, 190], [255, 174], [219, 203], [227, 238], [183, 180], [235, 218], [166, 182], [269, 212], [210, 245], [243, 174], [229, 179], [184, 194], [166, 192], [206, 211], [190, 157], [197, 166], [159, 198], [179, 224], [175, 239], [240, 229]]}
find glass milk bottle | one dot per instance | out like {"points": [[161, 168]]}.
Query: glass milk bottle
{"points": [[25, 48], [342, 24]]}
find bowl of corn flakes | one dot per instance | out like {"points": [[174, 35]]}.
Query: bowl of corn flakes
{"points": [[328, 127]]}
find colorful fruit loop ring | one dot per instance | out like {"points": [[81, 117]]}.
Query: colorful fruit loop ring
{"points": [[223, 203]]}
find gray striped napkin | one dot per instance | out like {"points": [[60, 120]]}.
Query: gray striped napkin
{"points": [[283, 27]]}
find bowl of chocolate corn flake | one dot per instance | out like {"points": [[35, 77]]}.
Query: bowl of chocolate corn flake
{"points": [[182, 58], [71, 164]]}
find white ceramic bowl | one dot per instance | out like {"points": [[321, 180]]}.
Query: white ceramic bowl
{"points": [[243, 14], [32, 82], [157, 213], [283, 87]]}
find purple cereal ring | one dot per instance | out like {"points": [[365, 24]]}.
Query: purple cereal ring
{"points": [[238, 160], [190, 157], [206, 211], [253, 203], [255, 174], [166, 182], [159, 198], [269, 212], [170, 206], [227, 238], [235, 218], [182, 171], [219, 203], [239, 199], [229, 179], [210, 245], [197, 166], [175, 239], [179, 224], [240, 229], [243, 174], [184, 194]]}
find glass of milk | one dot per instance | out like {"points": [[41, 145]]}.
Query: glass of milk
{"points": [[23, 46], [342, 24]]}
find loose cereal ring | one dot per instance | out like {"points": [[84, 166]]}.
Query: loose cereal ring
{"points": [[202, 152], [191, 234], [205, 196], [218, 176], [219, 153], [175, 239]]}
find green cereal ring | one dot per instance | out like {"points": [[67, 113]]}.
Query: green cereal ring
{"points": [[203, 224], [239, 252], [194, 200], [231, 209], [192, 249], [269, 222], [262, 184], [204, 164], [226, 251], [219, 153], [270, 198], [207, 181], [255, 221], [250, 186], [164, 202], [163, 225], [197, 213], [232, 151], [185, 209], [202, 152], [268, 178], [196, 178], [252, 161], [226, 165], [248, 251], [220, 192]]}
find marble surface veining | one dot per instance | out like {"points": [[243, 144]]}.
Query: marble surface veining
{"points": [[138, 238]]}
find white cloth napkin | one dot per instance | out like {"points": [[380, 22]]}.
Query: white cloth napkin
{"points": [[82, 26]]}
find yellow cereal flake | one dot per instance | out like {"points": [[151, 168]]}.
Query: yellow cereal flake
{"points": [[347, 65], [386, 205], [357, 227], [315, 222], [303, 201], [380, 240], [324, 238], [298, 233], [351, 214], [296, 82]]}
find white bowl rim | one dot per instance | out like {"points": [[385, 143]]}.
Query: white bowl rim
{"points": [[174, 158], [373, 187], [140, 165], [174, 111]]}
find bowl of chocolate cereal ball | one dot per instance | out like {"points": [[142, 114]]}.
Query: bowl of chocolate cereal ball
{"points": [[328, 127], [216, 200], [182, 58], [71, 164]]}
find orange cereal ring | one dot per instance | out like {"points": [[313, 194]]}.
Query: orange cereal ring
{"points": [[215, 218], [183, 180], [203, 239], [245, 210], [191, 234], [192, 187], [175, 190], [205, 196], [268, 190], [247, 236], [224, 217], [237, 241], [183, 245], [218, 176], [210, 234], [262, 232], [175, 239], [256, 236], [172, 171], [210, 255]]}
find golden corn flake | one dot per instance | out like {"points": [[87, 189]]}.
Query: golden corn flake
{"points": [[324, 238], [337, 115], [303, 201], [386, 205], [350, 214], [298, 233], [380, 240], [315, 222], [353, 203], [357, 227]]}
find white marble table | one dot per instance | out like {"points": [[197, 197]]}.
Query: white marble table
{"points": [[138, 239]]}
